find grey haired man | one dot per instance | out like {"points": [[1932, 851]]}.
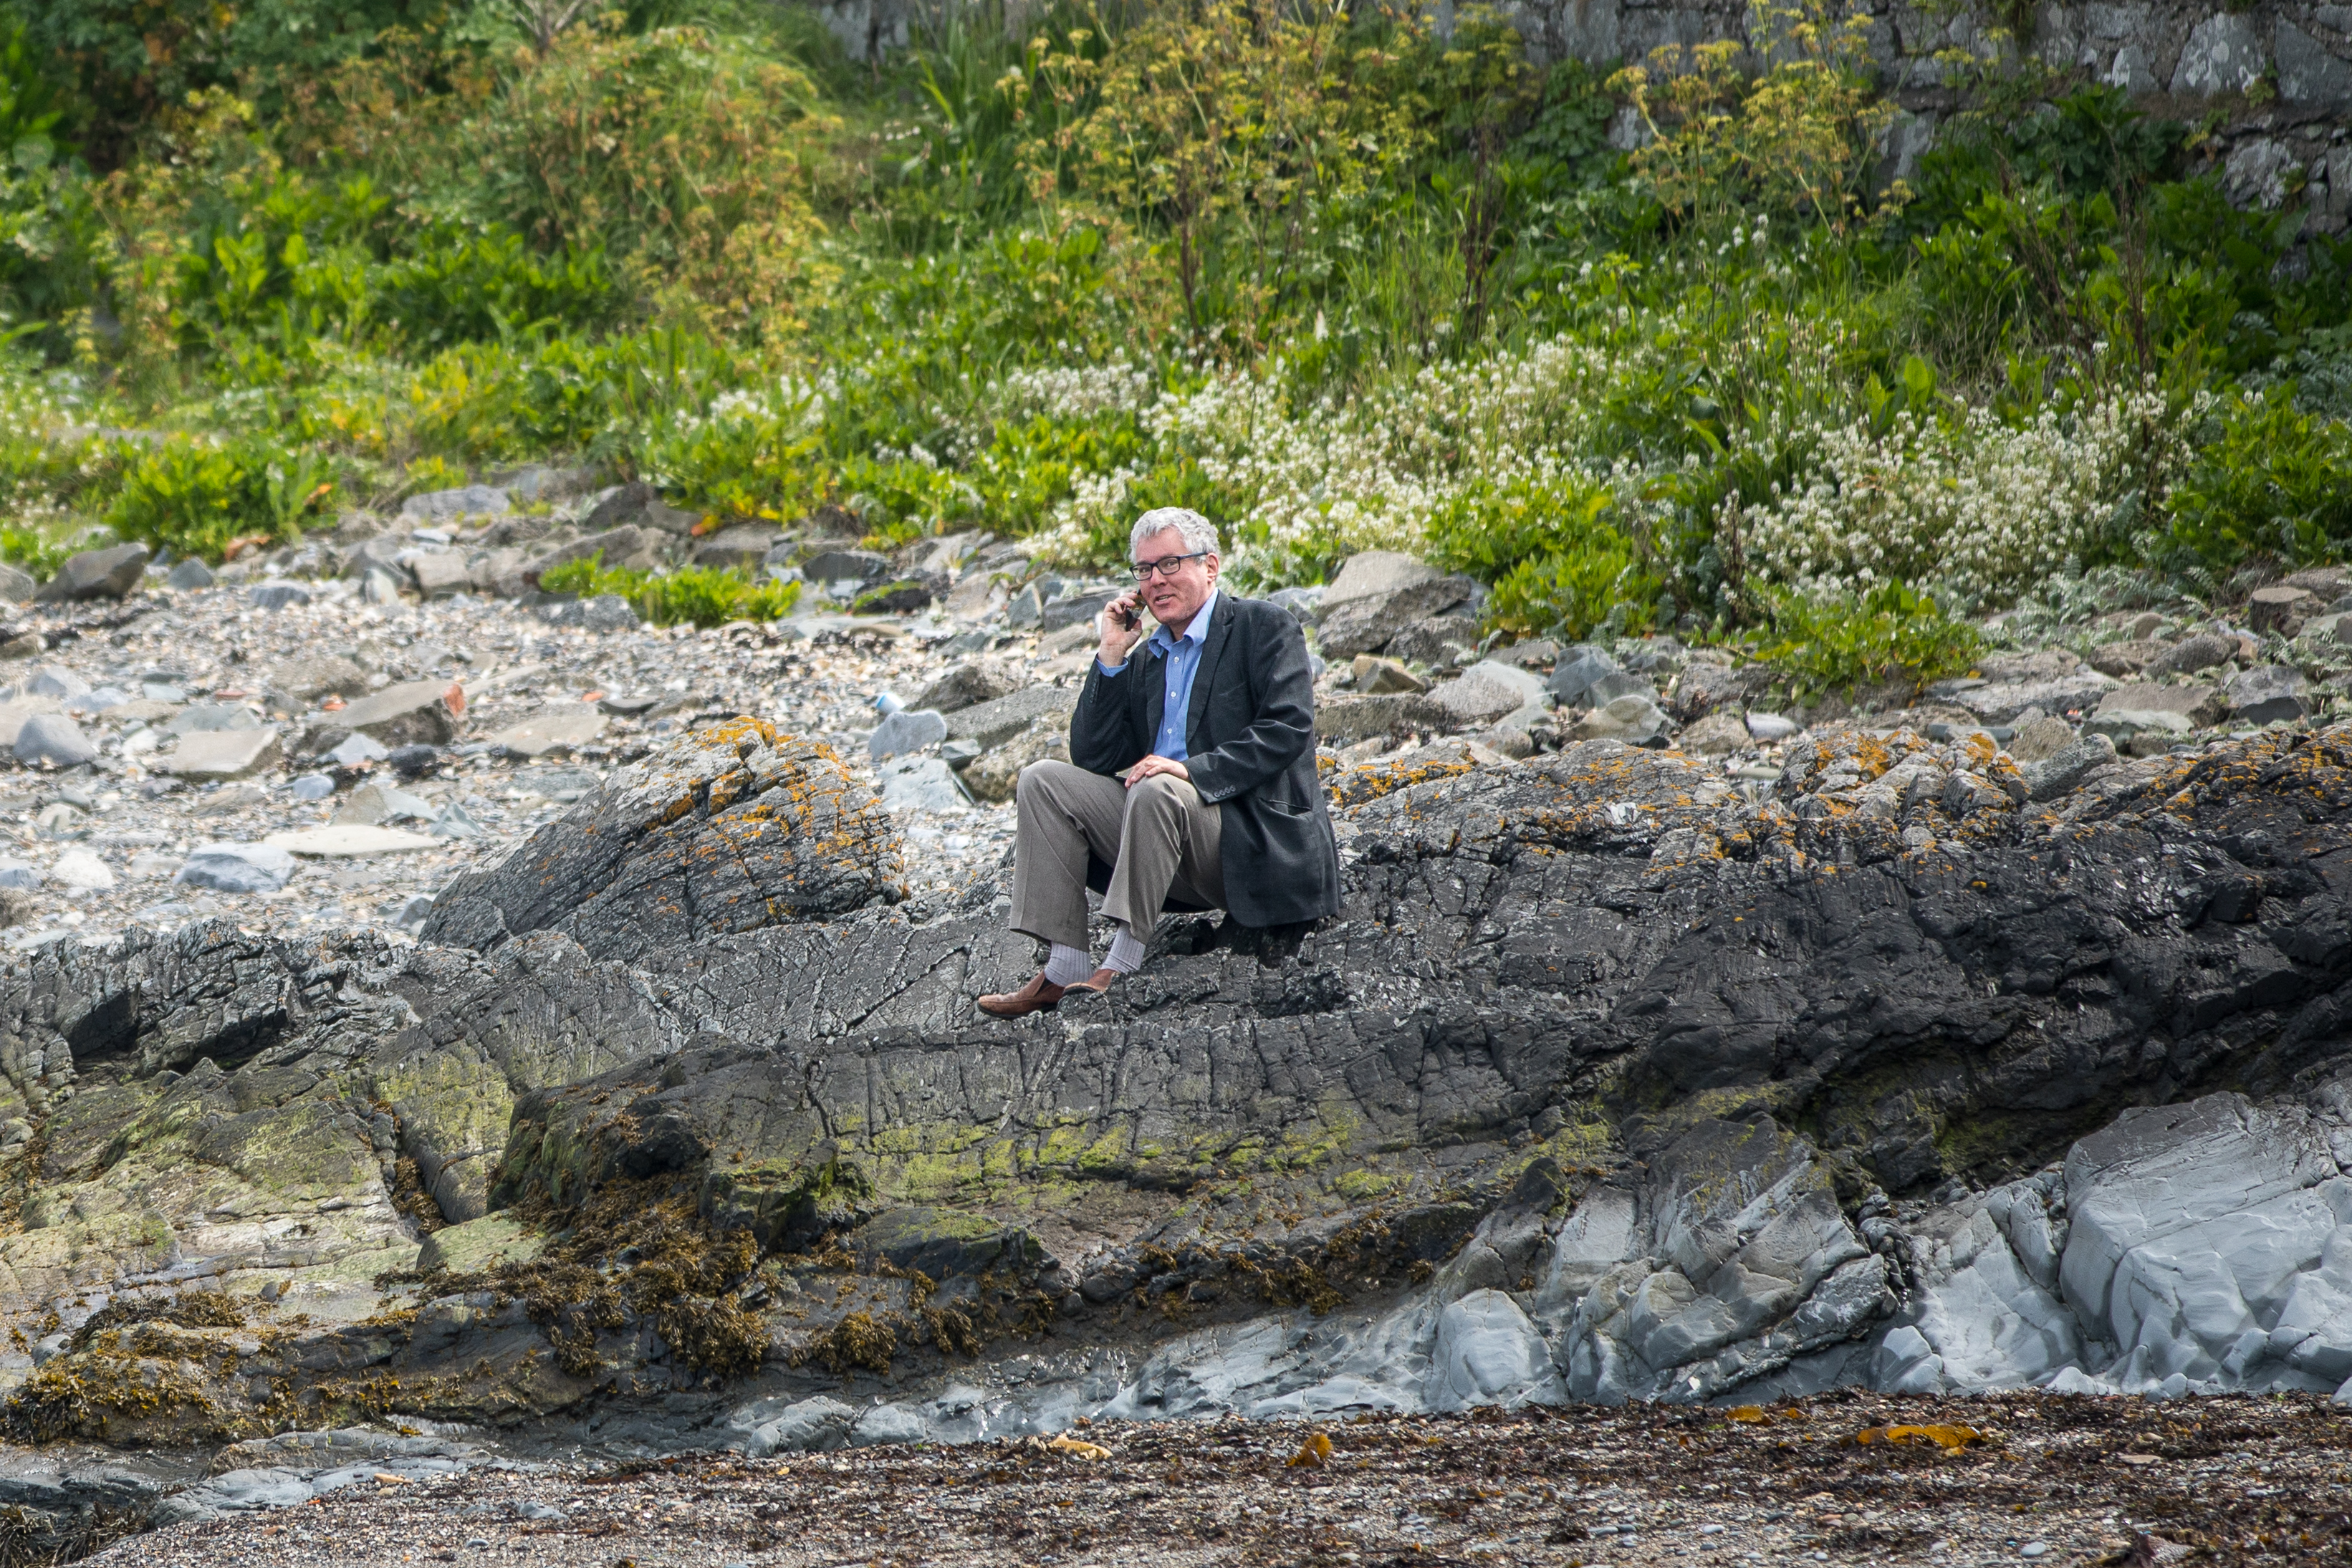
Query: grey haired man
{"points": [[1192, 783]]}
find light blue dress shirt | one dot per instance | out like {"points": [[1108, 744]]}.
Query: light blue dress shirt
{"points": [[1179, 662]]}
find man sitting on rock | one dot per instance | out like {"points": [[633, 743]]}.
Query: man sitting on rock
{"points": [[1193, 781]]}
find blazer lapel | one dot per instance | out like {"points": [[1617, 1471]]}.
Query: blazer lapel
{"points": [[1213, 647]]}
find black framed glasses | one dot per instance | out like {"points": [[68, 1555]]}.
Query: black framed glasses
{"points": [[1166, 565]]}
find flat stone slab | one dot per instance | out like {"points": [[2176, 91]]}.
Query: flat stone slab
{"points": [[558, 727], [990, 725], [348, 842], [221, 754], [410, 713]]}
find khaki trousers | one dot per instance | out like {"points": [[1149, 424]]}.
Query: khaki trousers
{"points": [[1158, 837]]}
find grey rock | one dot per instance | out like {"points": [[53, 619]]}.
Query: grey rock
{"points": [[740, 548], [237, 868], [600, 613], [277, 595], [16, 585], [2197, 705], [355, 749], [2224, 55], [1574, 673], [2064, 770], [1999, 702], [857, 566], [438, 573], [55, 681], [1715, 734], [2040, 737], [728, 830], [543, 482], [96, 574], [996, 775], [909, 729], [920, 784], [2191, 655], [821, 1424], [373, 804], [407, 713], [1771, 728], [380, 585], [1635, 720], [2268, 692], [1344, 720], [209, 718], [315, 675], [1435, 640], [1076, 609], [222, 754], [970, 683], [556, 727], [19, 875], [451, 506], [990, 725], [900, 596], [1376, 595], [53, 741], [622, 504], [312, 787], [1487, 691]]}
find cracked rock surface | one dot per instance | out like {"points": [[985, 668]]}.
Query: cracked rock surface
{"points": [[1625, 1074]]}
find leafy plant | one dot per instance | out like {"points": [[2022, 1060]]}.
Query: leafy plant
{"points": [[195, 495], [2269, 480], [1830, 642], [697, 596], [1799, 137]]}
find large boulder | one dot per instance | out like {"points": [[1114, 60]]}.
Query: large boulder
{"points": [[110, 573], [1378, 595], [731, 829]]}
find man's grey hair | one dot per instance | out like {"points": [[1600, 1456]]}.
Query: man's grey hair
{"points": [[1199, 533]]}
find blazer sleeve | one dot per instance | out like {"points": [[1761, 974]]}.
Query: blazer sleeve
{"points": [[1283, 728], [1102, 730]]}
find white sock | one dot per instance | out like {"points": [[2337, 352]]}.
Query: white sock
{"points": [[1126, 953], [1068, 965]]}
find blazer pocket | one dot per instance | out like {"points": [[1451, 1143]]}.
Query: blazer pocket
{"points": [[1287, 807]]}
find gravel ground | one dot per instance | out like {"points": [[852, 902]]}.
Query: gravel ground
{"points": [[2046, 1480], [816, 677]]}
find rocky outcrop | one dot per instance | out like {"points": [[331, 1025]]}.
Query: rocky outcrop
{"points": [[734, 830], [1614, 1079]]}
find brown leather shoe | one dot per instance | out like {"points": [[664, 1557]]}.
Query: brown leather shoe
{"points": [[1039, 996], [1095, 984]]}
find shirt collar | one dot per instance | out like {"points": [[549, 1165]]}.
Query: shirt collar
{"points": [[1196, 631]]}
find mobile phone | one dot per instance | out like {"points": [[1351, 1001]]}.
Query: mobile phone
{"points": [[1128, 615]]}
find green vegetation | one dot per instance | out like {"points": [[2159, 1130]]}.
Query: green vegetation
{"points": [[696, 595], [1337, 277]]}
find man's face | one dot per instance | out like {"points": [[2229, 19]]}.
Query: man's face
{"points": [[1176, 596]]}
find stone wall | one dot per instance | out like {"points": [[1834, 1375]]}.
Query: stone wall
{"points": [[2274, 79]]}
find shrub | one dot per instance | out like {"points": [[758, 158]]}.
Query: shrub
{"points": [[1958, 498], [1831, 641], [2269, 480], [193, 495], [698, 596]]}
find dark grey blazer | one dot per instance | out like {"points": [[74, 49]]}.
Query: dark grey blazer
{"points": [[1250, 736]]}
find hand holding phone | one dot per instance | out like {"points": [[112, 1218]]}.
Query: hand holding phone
{"points": [[1120, 627]]}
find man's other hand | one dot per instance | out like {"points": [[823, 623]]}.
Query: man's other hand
{"points": [[1121, 626], [1151, 767]]}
